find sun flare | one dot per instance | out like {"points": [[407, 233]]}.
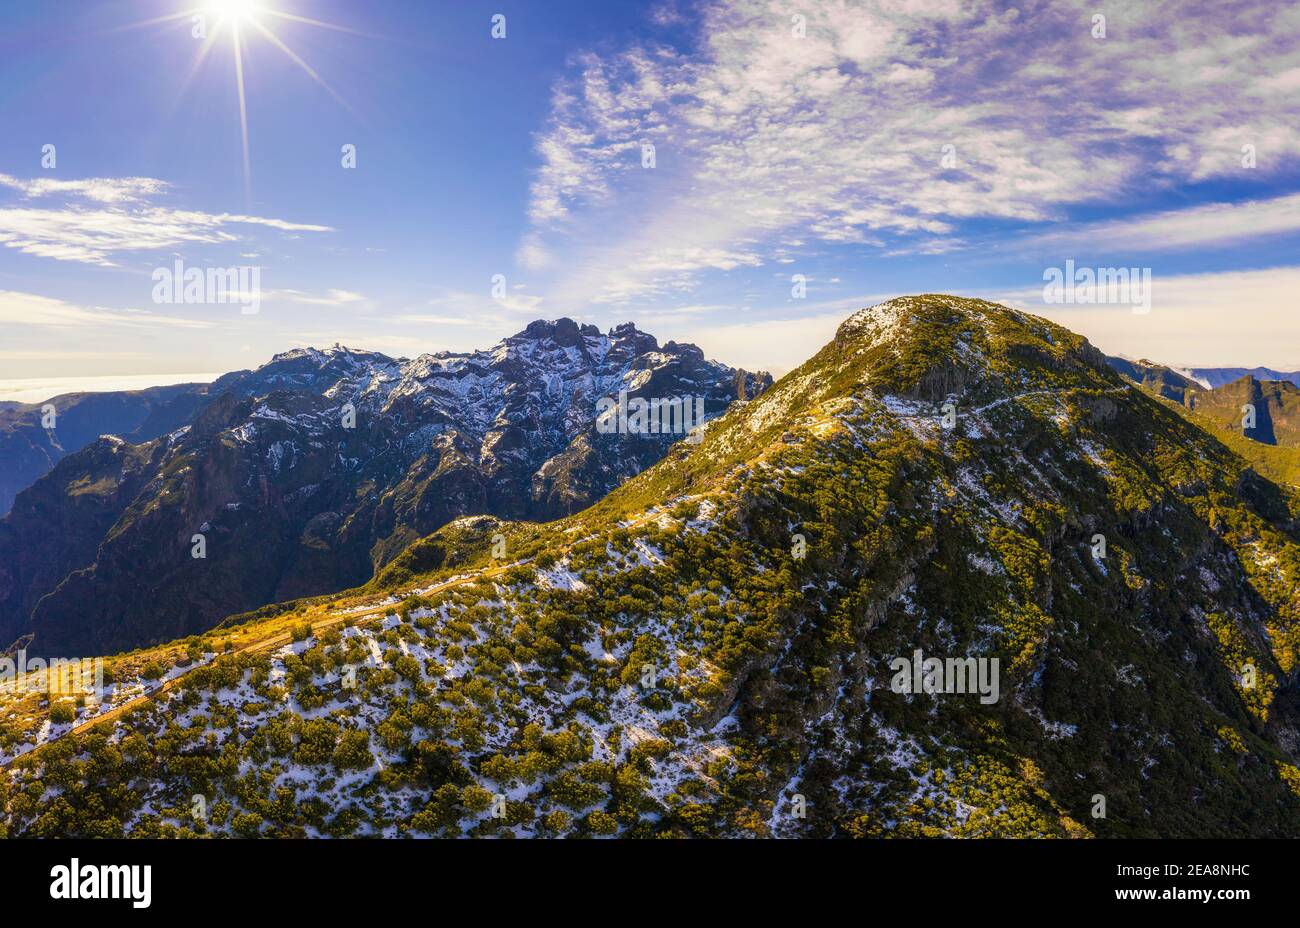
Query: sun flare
{"points": [[242, 24], [234, 10]]}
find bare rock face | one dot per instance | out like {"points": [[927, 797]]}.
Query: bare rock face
{"points": [[309, 473]]}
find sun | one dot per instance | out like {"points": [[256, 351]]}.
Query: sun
{"points": [[234, 23], [233, 10]]}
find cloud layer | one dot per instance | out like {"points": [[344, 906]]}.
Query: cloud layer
{"points": [[778, 133], [31, 310], [118, 219]]}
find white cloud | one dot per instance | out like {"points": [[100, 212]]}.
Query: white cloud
{"points": [[1227, 319], [1205, 225], [100, 189], [840, 135], [29, 309], [434, 319], [328, 298], [37, 389], [121, 222], [484, 308]]}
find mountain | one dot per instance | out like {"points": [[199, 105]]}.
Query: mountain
{"points": [[734, 642], [28, 449], [1213, 377], [1161, 380], [306, 475], [1271, 445], [1276, 404], [1276, 401], [1220, 393]]}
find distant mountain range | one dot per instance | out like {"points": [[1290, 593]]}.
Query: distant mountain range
{"points": [[1218, 376], [308, 474], [28, 450], [1203, 378]]}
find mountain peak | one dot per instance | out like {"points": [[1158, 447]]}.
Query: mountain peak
{"points": [[323, 356], [878, 321], [564, 331], [901, 312], [627, 332], [928, 346]]}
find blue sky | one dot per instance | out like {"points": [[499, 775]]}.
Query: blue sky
{"points": [[782, 146]]}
